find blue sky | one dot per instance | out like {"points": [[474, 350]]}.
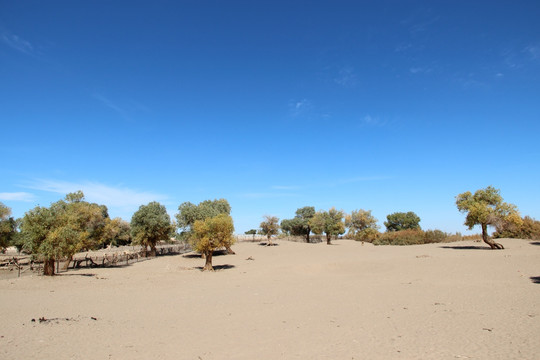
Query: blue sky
{"points": [[274, 105]]}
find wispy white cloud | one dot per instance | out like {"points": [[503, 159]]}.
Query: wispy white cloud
{"points": [[120, 199], [420, 70], [111, 105], [17, 43], [374, 121], [533, 51], [346, 77], [17, 196], [299, 107]]}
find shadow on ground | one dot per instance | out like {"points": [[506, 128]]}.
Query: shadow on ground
{"points": [[467, 247], [535, 243], [535, 279], [76, 274], [193, 255], [267, 244], [217, 267]]}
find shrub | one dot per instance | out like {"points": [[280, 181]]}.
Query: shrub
{"points": [[417, 237], [529, 229]]}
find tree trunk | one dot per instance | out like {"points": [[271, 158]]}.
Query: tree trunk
{"points": [[269, 243], [307, 237], [48, 267], [153, 250], [328, 239], [66, 266], [229, 251], [489, 241], [208, 265]]}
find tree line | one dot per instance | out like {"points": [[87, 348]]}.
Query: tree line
{"points": [[72, 224]]}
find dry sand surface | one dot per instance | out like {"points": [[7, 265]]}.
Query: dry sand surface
{"points": [[291, 301]]}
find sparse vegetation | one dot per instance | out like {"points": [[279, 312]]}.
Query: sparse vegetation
{"points": [[328, 222], [66, 227], [269, 227], [151, 224], [299, 225], [7, 227], [486, 208], [211, 234], [362, 226], [417, 237], [528, 229], [402, 221]]}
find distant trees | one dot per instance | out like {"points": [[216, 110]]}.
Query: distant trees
{"points": [[402, 221], [528, 229], [362, 225], [117, 232], [299, 225], [8, 227], [151, 224], [269, 227], [486, 208], [328, 222], [210, 234], [188, 213], [64, 228]]}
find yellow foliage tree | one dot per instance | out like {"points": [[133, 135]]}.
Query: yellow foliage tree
{"points": [[486, 207], [211, 234]]}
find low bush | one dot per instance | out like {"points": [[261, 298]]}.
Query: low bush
{"points": [[418, 237], [529, 229]]}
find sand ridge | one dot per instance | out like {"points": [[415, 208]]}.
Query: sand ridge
{"points": [[290, 301]]}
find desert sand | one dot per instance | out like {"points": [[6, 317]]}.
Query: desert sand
{"points": [[290, 301]]}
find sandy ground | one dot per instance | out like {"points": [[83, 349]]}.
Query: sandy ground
{"points": [[292, 301]]}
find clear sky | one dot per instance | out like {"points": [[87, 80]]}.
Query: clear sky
{"points": [[274, 105]]}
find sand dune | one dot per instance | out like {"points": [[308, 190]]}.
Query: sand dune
{"points": [[292, 301]]}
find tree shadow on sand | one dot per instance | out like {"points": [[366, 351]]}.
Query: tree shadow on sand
{"points": [[535, 279], [76, 274], [535, 243], [268, 244], [217, 267], [198, 256], [470, 247]]}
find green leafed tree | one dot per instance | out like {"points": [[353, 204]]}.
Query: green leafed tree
{"points": [[486, 208], [210, 234], [299, 225], [362, 225], [328, 222], [149, 225], [8, 227], [269, 227], [67, 226], [117, 232], [188, 213], [402, 221]]}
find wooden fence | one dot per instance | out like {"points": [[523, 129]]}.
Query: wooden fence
{"points": [[122, 256]]}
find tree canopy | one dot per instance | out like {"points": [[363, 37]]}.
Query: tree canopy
{"points": [[402, 221], [150, 224], [67, 226], [486, 208], [188, 213], [328, 222], [362, 225], [8, 227], [210, 234], [299, 225], [269, 227]]}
